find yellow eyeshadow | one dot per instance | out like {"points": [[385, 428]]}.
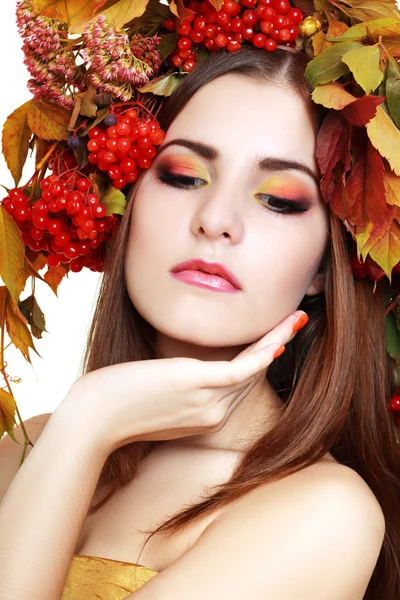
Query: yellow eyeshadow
{"points": [[287, 187], [187, 165]]}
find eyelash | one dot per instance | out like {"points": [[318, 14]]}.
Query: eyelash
{"points": [[185, 182]]}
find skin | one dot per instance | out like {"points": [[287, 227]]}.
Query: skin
{"points": [[224, 218]]}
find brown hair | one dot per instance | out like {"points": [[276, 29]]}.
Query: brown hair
{"points": [[335, 404]]}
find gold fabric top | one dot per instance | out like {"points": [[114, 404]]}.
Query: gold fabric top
{"points": [[96, 578]]}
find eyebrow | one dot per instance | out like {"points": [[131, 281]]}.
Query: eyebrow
{"points": [[267, 163]]}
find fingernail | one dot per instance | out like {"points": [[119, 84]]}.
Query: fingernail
{"points": [[301, 321], [279, 351]]}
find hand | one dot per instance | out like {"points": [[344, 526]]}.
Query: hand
{"points": [[170, 398]]}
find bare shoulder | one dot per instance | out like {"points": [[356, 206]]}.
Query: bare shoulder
{"points": [[328, 480], [11, 452], [316, 533]]}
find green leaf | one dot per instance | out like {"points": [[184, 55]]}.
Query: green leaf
{"points": [[12, 256], [364, 64], [15, 140], [328, 65], [164, 85], [359, 31], [392, 337], [167, 45], [33, 314], [114, 201], [393, 90]]}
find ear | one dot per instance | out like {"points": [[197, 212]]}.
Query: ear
{"points": [[317, 285]]}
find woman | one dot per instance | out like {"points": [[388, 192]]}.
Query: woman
{"points": [[280, 471]]}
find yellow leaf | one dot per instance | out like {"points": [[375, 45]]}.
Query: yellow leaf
{"points": [[18, 330], [364, 64], [385, 136], [7, 414], [366, 238], [332, 95], [386, 252], [364, 10], [15, 140], [118, 14], [12, 256], [67, 11], [48, 121], [392, 188]]}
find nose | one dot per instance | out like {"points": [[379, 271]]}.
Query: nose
{"points": [[218, 215]]}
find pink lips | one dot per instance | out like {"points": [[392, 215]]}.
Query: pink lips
{"points": [[207, 275]]}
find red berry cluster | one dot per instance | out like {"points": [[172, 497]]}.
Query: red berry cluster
{"points": [[394, 407], [67, 221], [125, 147], [263, 23]]}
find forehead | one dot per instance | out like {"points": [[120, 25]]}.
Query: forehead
{"points": [[252, 119]]}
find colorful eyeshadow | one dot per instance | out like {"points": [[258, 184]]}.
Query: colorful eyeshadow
{"points": [[183, 164]]}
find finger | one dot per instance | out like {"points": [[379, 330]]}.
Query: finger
{"points": [[238, 399], [237, 371], [285, 327]]}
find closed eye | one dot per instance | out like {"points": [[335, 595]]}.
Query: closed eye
{"points": [[180, 181], [282, 205]]}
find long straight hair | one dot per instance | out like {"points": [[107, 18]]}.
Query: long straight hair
{"points": [[335, 377]]}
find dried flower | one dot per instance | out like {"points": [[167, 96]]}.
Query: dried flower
{"points": [[50, 63], [113, 67]]}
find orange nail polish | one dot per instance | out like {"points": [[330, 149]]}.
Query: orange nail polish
{"points": [[279, 351], [301, 321]]}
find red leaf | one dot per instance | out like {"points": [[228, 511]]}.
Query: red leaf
{"points": [[362, 110], [366, 189], [333, 153]]}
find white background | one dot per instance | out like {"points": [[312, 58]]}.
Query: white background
{"points": [[46, 382]]}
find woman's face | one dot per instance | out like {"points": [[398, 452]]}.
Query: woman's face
{"points": [[214, 202]]}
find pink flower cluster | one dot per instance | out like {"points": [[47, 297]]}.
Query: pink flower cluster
{"points": [[112, 66], [49, 60]]}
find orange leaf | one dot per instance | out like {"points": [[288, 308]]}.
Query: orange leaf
{"points": [[54, 275], [180, 10], [332, 95], [48, 121], [7, 414], [15, 140], [18, 330], [336, 27], [67, 11], [385, 136], [319, 43], [12, 256]]}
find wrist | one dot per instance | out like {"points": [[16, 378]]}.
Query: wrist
{"points": [[75, 419]]}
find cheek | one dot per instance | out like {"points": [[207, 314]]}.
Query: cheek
{"points": [[283, 264]]}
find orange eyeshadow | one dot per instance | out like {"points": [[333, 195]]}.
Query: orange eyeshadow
{"points": [[285, 187], [182, 164]]}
